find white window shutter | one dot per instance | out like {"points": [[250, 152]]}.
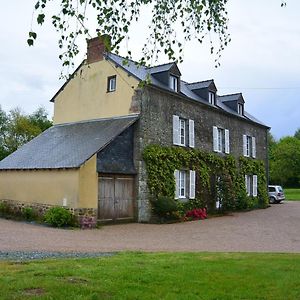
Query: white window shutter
{"points": [[176, 130], [244, 145], [215, 139], [192, 184], [227, 147], [253, 147], [176, 175], [191, 134], [254, 186]]}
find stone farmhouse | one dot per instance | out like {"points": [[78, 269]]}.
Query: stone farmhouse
{"points": [[91, 160]]}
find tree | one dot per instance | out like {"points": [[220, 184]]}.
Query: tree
{"points": [[16, 128], [285, 162], [173, 23], [297, 134]]}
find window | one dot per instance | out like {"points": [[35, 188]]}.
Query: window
{"points": [[240, 109], [174, 83], [212, 98], [249, 146], [219, 199], [221, 140], [183, 132], [221, 144], [182, 179], [111, 83], [251, 185], [182, 182]]}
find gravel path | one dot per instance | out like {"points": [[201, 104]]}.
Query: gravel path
{"points": [[276, 229]]}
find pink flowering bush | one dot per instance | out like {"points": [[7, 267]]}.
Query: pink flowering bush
{"points": [[196, 214]]}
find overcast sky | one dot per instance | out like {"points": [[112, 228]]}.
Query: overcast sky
{"points": [[262, 61]]}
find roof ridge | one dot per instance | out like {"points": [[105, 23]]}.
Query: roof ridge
{"points": [[97, 120], [200, 81], [169, 63], [231, 94]]}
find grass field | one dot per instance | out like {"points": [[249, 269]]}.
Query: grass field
{"points": [[155, 276], [292, 194]]}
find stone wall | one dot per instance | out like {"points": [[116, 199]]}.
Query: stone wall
{"points": [[156, 127], [86, 217]]}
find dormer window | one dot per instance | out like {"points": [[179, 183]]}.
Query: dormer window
{"points": [[173, 84], [212, 98], [240, 109]]}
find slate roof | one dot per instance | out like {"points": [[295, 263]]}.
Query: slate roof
{"points": [[231, 97], [200, 84], [141, 73], [67, 145]]}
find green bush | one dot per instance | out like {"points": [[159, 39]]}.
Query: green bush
{"points": [[29, 214], [165, 207], [59, 217], [3, 208]]}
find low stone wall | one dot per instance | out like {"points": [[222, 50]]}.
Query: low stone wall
{"points": [[86, 217]]}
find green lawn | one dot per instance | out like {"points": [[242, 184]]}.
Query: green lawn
{"points": [[155, 276], [292, 194]]}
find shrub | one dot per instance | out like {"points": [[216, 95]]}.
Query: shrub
{"points": [[197, 214], [165, 207], [4, 208], [59, 217], [29, 214]]}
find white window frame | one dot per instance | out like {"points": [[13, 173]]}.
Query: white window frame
{"points": [[248, 146], [212, 98], [240, 109], [182, 132], [251, 182], [248, 184], [182, 184], [221, 142], [111, 83], [173, 83]]}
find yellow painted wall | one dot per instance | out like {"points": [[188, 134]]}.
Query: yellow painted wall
{"points": [[79, 186], [85, 96], [43, 186], [88, 184]]}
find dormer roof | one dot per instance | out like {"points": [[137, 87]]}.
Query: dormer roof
{"points": [[206, 84], [232, 97], [169, 67]]}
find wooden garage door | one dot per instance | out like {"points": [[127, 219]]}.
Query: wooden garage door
{"points": [[115, 197]]}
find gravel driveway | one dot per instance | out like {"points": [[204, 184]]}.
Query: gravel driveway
{"points": [[276, 229]]}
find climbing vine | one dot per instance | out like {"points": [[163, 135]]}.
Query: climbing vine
{"points": [[218, 179]]}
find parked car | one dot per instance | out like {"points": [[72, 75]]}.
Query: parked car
{"points": [[276, 194]]}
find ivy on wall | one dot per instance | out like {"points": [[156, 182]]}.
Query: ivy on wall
{"points": [[221, 178]]}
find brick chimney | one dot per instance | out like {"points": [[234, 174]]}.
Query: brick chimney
{"points": [[96, 47]]}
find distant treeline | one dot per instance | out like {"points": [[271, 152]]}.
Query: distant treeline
{"points": [[18, 128], [284, 157]]}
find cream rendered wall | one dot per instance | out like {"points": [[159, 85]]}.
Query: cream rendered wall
{"points": [[88, 184], [42, 186], [85, 96]]}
